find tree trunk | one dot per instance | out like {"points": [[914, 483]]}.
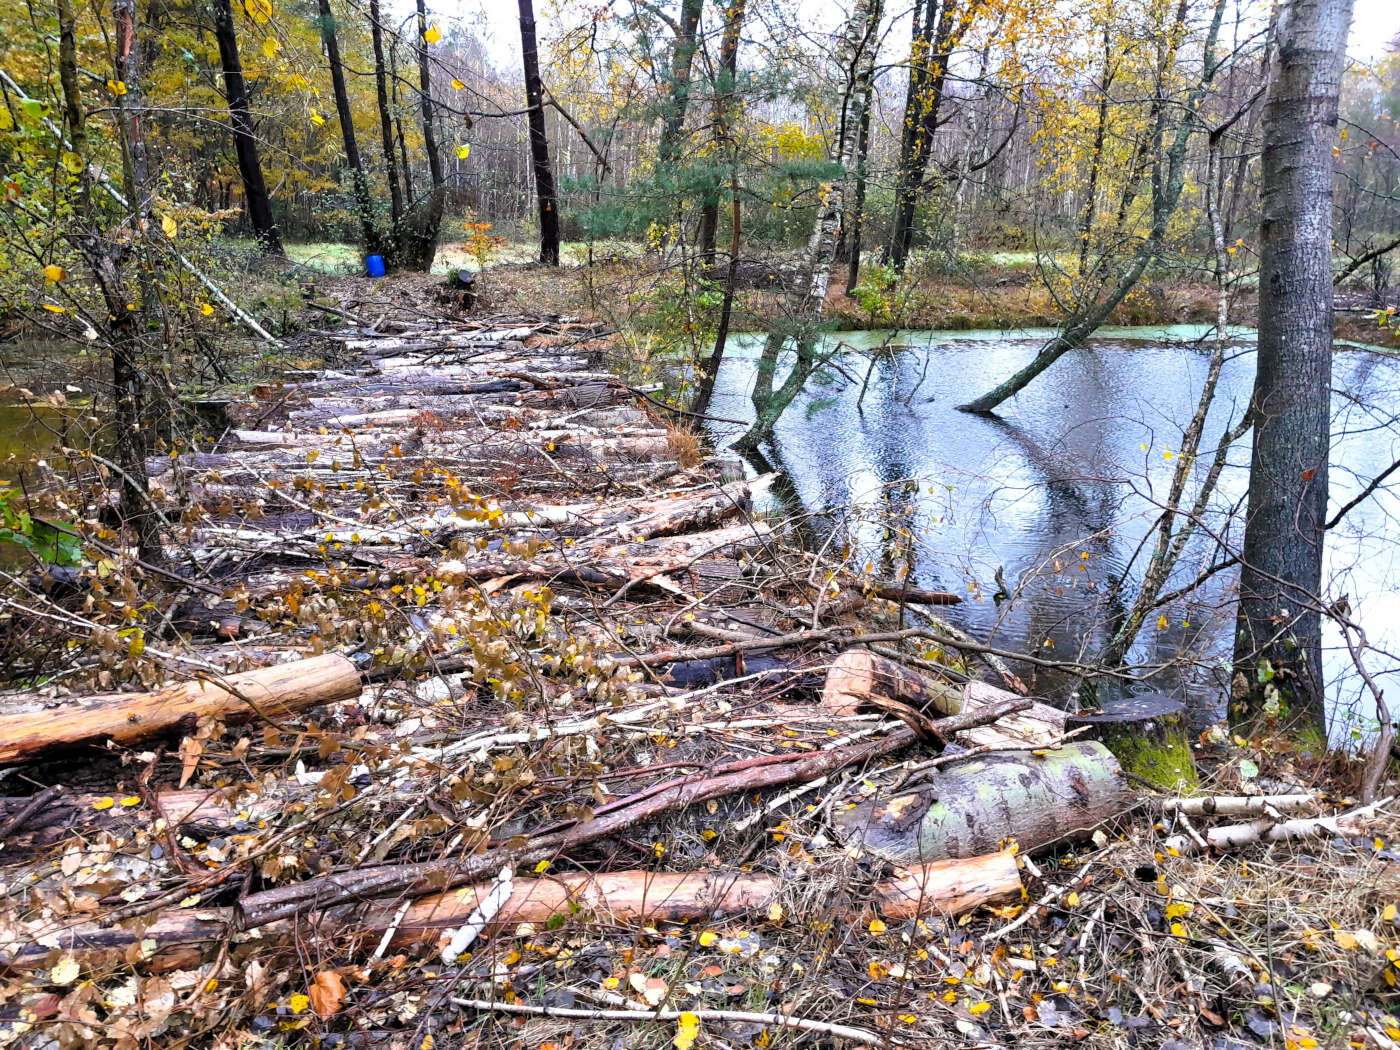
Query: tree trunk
{"points": [[128, 359], [359, 181], [386, 121], [976, 806], [245, 142], [682, 57], [709, 218], [539, 145], [423, 219], [860, 34], [937, 28], [1278, 647], [125, 718]]}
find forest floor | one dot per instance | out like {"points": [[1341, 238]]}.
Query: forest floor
{"points": [[527, 675]]}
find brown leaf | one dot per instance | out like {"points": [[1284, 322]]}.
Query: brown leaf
{"points": [[190, 751], [327, 993]]}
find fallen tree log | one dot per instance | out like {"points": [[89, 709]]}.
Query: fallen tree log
{"points": [[125, 718], [950, 887], [1355, 823], [179, 938], [859, 676], [982, 804]]}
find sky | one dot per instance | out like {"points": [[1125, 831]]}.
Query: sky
{"points": [[1375, 23]]}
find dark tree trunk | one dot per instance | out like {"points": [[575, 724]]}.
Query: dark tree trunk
{"points": [[424, 219], [404, 166], [682, 57], [245, 142], [855, 217], [539, 145], [725, 88], [386, 119], [364, 206], [1278, 649], [936, 30]]}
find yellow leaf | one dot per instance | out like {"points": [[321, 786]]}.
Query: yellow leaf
{"points": [[432, 34], [72, 162], [541, 867], [979, 1008], [116, 87], [168, 226], [298, 1003], [131, 800], [458, 84], [54, 309], [317, 119], [1388, 913], [1162, 622], [65, 971], [877, 926], [463, 152], [687, 1028], [707, 938], [1072, 900], [104, 803], [1178, 930], [54, 273], [775, 912], [206, 309], [1345, 939], [259, 11], [269, 47], [1177, 909]]}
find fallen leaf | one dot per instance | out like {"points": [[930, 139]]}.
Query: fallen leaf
{"points": [[65, 971], [327, 993]]}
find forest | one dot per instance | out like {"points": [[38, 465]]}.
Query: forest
{"points": [[699, 524]]}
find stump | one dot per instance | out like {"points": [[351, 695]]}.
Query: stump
{"points": [[1147, 733]]}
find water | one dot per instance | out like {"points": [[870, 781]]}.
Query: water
{"points": [[1055, 497]]}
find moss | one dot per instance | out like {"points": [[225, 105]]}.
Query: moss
{"points": [[1161, 756]]}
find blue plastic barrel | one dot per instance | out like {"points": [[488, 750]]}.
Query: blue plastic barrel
{"points": [[374, 265]]}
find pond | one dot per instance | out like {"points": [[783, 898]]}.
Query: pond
{"points": [[1032, 515]]}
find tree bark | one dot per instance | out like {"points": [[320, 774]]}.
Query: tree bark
{"points": [[386, 120], [125, 718], [359, 181], [422, 222], [1278, 645], [245, 142], [678, 100], [725, 95], [545, 195], [938, 26], [979, 805]]}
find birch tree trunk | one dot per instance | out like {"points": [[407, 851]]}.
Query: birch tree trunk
{"points": [[1278, 647], [859, 35]]}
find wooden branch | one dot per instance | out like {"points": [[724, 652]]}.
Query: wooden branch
{"points": [[126, 718]]}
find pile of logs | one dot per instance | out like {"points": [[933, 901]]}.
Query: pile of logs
{"points": [[417, 804]]}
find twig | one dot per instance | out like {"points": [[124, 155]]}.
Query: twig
{"points": [[839, 1031]]}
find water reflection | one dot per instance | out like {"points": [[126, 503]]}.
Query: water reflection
{"points": [[1058, 496]]}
